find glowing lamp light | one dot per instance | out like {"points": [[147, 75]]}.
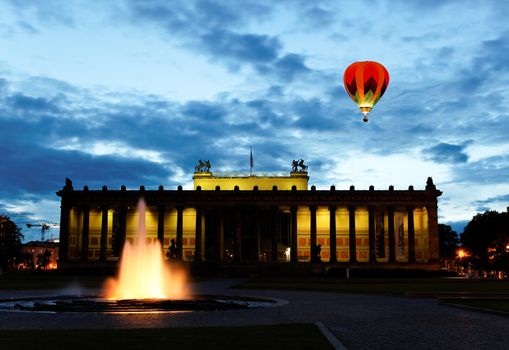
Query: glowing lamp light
{"points": [[461, 253]]}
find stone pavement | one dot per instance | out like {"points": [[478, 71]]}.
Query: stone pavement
{"points": [[358, 321]]}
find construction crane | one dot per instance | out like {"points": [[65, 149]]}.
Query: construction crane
{"points": [[44, 227]]}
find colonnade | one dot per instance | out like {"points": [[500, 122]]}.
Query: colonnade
{"points": [[235, 216]]}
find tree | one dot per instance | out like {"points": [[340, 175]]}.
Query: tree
{"points": [[10, 243], [486, 237], [448, 241]]}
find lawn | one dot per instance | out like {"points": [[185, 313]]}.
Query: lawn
{"points": [[381, 286], [295, 336], [48, 280], [497, 305]]}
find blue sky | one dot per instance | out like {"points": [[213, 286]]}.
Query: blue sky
{"points": [[135, 92]]}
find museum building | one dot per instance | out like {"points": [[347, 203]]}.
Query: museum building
{"points": [[262, 217]]}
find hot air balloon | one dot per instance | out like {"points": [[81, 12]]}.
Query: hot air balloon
{"points": [[366, 82]]}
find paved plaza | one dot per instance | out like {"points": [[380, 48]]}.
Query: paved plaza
{"points": [[358, 321]]}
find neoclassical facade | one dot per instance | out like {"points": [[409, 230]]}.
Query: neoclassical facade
{"points": [[257, 218]]}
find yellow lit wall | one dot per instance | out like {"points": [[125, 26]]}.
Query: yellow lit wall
{"points": [[109, 242], [303, 236], [421, 234], [131, 224], [362, 233], [75, 225], [94, 234], [209, 183], [151, 215], [189, 231], [342, 234], [323, 232], [170, 227]]}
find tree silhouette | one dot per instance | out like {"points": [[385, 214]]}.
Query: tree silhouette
{"points": [[10, 243], [486, 237], [449, 240]]}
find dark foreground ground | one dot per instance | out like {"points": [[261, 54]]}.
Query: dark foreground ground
{"points": [[352, 310]]}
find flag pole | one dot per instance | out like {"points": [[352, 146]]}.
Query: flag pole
{"points": [[250, 161]]}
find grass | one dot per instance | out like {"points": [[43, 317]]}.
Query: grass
{"points": [[385, 286], [497, 305], [295, 336], [48, 280]]}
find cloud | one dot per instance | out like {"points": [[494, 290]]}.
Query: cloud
{"points": [[26, 103], [446, 153], [500, 198], [489, 170], [216, 30]]}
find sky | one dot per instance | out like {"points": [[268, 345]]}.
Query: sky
{"points": [[135, 92]]}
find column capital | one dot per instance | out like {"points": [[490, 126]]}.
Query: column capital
{"points": [[333, 207]]}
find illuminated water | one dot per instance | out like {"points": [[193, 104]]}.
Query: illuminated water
{"points": [[143, 272]]}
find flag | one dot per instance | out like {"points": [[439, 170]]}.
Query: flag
{"points": [[251, 163]]}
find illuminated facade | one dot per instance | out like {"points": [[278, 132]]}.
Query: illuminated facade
{"points": [[257, 218]]}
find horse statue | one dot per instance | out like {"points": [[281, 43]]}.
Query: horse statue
{"points": [[202, 167], [296, 164]]}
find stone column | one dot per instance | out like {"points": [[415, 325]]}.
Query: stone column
{"points": [[180, 231], [84, 234], [122, 230], [392, 241], [220, 236], [63, 250], [353, 243], [257, 232], [104, 233], [160, 224], [372, 238], [332, 236], [274, 233], [433, 232], [198, 235], [411, 235], [293, 249], [238, 236], [312, 210]]}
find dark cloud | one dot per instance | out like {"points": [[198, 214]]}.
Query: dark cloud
{"points": [[214, 29], [446, 153], [289, 66], [490, 170], [317, 17], [252, 48], [22, 102], [501, 198]]}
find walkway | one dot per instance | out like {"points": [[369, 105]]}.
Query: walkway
{"points": [[358, 321]]}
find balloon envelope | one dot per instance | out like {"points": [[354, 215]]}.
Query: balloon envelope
{"points": [[366, 82]]}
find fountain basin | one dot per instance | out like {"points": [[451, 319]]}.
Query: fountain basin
{"points": [[96, 304]]}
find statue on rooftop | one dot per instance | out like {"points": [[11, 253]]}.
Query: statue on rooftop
{"points": [[202, 167], [68, 184], [430, 186], [296, 164]]}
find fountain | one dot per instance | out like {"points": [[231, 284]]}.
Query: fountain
{"points": [[145, 283], [144, 273]]}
